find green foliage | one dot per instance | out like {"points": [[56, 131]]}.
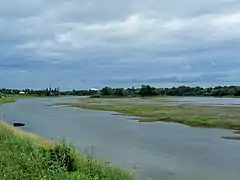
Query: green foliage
{"points": [[79, 92], [107, 91], [44, 92], [6, 99], [63, 155], [237, 132], [2, 95], [143, 91], [147, 91], [22, 158]]}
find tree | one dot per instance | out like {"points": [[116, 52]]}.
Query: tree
{"points": [[119, 92], [147, 90], [107, 91]]}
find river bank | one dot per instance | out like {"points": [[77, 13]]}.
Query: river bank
{"points": [[150, 150], [27, 156], [7, 100], [152, 109], [13, 98]]}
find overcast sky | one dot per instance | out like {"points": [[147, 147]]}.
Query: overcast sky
{"points": [[96, 43]]}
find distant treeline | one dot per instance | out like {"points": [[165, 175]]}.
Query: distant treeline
{"points": [[143, 91], [80, 92], [47, 92], [147, 90], [43, 92]]}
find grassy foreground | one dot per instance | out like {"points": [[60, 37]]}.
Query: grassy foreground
{"points": [[24, 156], [152, 109]]}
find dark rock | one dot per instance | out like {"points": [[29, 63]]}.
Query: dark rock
{"points": [[17, 124]]}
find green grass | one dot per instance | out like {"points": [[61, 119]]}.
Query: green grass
{"points": [[26, 156], [7, 100], [13, 98], [237, 132], [153, 109]]}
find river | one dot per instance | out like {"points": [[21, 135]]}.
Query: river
{"points": [[161, 151]]}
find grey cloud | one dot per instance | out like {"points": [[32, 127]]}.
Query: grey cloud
{"points": [[220, 77], [126, 39]]}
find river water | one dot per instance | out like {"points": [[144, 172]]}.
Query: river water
{"points": [[161, 151]]}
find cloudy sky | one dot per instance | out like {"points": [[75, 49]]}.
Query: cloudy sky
{"points": [[94, 43]]}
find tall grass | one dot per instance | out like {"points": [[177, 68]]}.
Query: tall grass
{"points": [[24, 156]]}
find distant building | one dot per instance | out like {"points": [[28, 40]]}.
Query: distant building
{"points": [[21, 92], [94, 89]]}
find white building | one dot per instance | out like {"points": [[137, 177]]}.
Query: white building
{"points": [[93, 89]]}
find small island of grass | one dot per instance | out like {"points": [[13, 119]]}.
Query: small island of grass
{"points": [[157, 109]]}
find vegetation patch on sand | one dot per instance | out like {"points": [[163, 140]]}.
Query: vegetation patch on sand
{"points": [[26, 156], [237, 132], [156, 109]]}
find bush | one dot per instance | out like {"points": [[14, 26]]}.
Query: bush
{"points": [[62, 155]]}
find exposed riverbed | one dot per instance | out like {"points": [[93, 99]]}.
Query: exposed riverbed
{"points": [[164, 151]]}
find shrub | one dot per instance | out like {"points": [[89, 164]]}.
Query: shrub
{"points": [[63, 155]]}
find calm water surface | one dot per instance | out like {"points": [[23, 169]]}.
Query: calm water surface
{"points": [[161, 151], [212, 101]]}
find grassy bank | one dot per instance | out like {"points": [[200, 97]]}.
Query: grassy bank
{"points": [[7, 100], [153, 109], [13, 98], [26, 156]]}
